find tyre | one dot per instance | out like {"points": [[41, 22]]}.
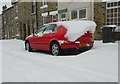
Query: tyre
{"points": [[55, 49], [27, 47]]}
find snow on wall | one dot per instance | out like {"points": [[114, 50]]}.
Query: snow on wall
{"points": [[77, 28]]}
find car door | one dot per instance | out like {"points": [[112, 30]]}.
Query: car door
{"points": [[47, 36], [36, 39]]}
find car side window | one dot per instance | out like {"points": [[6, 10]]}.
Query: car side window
{"points": [[51, 27], [41, 30]]}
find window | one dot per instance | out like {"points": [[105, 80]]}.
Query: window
{"points": [[12, 29], [54, 18], [112, 13], [33, 6], [16, 15], [33, 25], [16, 8], [74, 14], [82, 13], [51, 27], [46, 29], [45, 19], [44, 2], [4, 20], [79, 14], [41, 30], [17, 29], [108, 5], [115, 3], [63, 17]]}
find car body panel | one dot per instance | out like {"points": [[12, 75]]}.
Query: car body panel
{"points": [[43, 41]]}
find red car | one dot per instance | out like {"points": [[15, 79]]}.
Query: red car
{"points": [[60, 36]]}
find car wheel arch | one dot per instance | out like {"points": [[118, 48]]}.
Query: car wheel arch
{"points": [[53, 41], [30, 49]]}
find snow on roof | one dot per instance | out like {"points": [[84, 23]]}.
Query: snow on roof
{"points": [[76, 29]]}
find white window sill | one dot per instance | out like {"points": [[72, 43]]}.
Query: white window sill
{"points": [[63, 19], [82, 18], [34, 13], [13, 36], [17, 35], [16, 17], [45, 14], [45, 6]]}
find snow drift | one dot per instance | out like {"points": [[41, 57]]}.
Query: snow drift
{"points": [[76, 29]]}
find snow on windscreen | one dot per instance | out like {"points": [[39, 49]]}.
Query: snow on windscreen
{"points": [[76, 29]]}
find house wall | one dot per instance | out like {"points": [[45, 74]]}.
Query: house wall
{"points": [[51, 6], [74, 6], [8, 23], [24, 19], [99, 18], [0, 27]]}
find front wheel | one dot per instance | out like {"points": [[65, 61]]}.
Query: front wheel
{"points": [[27, 47], [55, 49]]}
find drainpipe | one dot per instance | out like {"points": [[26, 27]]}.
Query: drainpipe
{"points": [[36, 25], [92, 10]]}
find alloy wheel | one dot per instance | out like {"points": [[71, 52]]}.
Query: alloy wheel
{"points": [[55, 49], [27, 46]]}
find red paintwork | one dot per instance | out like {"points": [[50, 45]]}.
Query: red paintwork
{"points": [[43, 42]]}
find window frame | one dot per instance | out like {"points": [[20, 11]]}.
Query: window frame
{"points": [[44, 4], [71, 14], [85, 14], [17, 8], [40, 29], [17, 28], [34, 6], [48, 29], [54, 18], [44, 19], [63, 19], [78, 14], [112, 16]]}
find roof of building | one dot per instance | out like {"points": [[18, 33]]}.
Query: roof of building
{"points": [[8, 8]]}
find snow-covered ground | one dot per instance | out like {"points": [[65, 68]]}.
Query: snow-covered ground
{"points": [[0, 61], [100, 64]]}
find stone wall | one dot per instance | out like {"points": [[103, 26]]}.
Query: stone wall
{"points": [[99, 18]]}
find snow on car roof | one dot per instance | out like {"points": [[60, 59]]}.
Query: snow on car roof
{"points": [[76, 29]]}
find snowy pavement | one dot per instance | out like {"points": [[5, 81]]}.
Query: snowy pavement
{"points": [[100, 64]]}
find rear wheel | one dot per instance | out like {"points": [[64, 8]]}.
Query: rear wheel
{"points": [[27, 47], [55, 49]]}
